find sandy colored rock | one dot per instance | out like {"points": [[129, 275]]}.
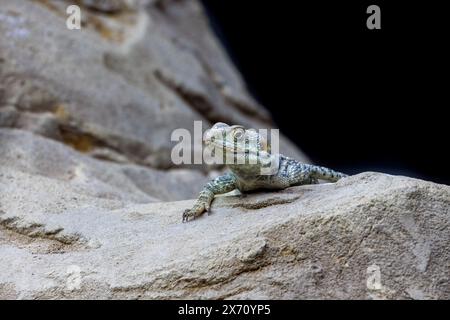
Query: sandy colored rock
{"points": [[113, 91], [36, 159], [88, 190], [370, 236], [136, 71]]}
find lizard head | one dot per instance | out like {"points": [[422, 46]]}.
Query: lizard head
{"points": [[234, 140]]}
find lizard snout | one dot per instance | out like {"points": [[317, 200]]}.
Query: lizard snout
{"points": [[207, 137]]}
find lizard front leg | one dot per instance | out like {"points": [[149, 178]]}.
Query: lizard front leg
{"points": [[222, 184]]}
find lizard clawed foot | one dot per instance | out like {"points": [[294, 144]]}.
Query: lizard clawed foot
{"points": [[191, 214], [187, 214]]}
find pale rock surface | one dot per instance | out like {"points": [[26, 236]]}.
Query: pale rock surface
{"points": [[88, 190], [114, 91], [136, 71], [369, 236]]}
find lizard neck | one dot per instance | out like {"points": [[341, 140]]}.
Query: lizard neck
{"points": [[255, 169]]}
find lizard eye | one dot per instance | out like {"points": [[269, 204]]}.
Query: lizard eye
{"points": [[238, 134]]}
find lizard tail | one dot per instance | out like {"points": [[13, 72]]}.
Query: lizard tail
{"points": [[326, 174]]}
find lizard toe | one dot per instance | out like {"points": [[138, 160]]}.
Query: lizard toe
{"points": [[187, 214]]}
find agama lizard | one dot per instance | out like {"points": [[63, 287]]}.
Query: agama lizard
{"points": [[249, 167]]}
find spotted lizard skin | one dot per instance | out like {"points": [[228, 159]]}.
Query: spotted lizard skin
{"points": [[248, 152]]}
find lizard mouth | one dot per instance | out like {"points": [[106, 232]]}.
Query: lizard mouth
{"points": [[227, 147], [217, 141], [210, 140], [230, 149]]}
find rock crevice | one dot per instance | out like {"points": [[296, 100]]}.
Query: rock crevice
{"points": [[353, 239]]}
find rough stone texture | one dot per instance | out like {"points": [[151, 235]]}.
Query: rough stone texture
{"points": [[136, 71], [114, 91], [317, 241], [85, 124], [35, 159]]}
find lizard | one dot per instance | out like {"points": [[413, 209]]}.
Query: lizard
{"points": [[248, 158]]}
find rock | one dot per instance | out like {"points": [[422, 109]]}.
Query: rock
{"points": [[88, 190], [113, 91], [32, 160], [369, 236], [136, 71], [115, 6]]}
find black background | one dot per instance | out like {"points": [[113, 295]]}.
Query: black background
{"points": [[351, 98], [287, 309]]}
